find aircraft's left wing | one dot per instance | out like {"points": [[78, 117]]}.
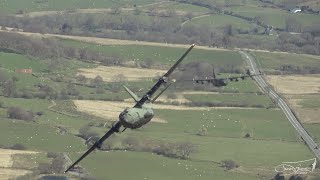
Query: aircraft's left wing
{"points": [[114, 129]]}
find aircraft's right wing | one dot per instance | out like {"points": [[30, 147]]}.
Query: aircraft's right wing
{"points": [[161, 81]]}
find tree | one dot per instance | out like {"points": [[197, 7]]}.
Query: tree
{"points": [[81, 78], [185, 149], [66, 28], [19, 113], [97, 81], [58, 164], [247, 135], [9, 88], [229, 164], [115, 10], [227, 30], [292, 25], [203, 131]]}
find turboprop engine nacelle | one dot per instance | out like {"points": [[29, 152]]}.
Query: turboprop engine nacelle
{"points": [[135, 117]]}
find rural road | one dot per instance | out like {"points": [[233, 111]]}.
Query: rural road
{"points": [[282, 104]]}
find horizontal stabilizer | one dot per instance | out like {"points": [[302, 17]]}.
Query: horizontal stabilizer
{"points": [[133, 95]]}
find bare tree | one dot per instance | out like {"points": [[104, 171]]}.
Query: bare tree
{"points": [[97, 81], [185, 149]]}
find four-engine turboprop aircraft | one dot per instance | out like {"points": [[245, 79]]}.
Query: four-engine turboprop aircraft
{"points": [[140, 114], [218, 82]]}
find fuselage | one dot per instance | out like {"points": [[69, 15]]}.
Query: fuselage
{"points": [[219, 82], [134, 118]]}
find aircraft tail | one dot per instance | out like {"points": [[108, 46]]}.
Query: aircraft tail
{"points": [[133, 95]]}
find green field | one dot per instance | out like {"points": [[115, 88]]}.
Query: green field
{"points": [[260, 123], [162, 55], [275, 60], [236, 99], [149, 166], [310, 101], [272, 139], [13, 6], [219, 21], [276, 17]]}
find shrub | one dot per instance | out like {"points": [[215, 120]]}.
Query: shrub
{"points": [[18, 147], [44, 168], [19, 113], [203, 131], [58, 164], [52, 154], [229, 164], [247, 135]]}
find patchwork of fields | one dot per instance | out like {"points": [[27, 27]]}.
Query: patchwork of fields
{"points": [[237, 122], [226, 129]]}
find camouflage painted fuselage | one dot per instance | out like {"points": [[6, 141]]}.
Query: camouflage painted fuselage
{"points": [[134, 118]]}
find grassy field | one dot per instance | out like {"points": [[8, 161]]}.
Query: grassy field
{"points": [[149, 166], [13, 6], [272, 60], [237, 99], [219, 21], [226, 128], [233, 123], [275, 17], [162, 55], [310, 101]]}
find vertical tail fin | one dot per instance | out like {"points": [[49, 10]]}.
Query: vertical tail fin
{"points": [[133, 95]]}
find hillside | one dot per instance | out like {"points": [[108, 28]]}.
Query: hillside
{"points": [[82, 52]]}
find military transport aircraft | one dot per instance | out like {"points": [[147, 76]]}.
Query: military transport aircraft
{"points": [[140, 114], [218, 82]]}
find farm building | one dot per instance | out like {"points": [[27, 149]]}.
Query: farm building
{"points": [[26, 71]]}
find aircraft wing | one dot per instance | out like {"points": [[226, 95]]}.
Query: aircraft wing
{"points": [[207, 80], [162, 80], [236, 78], [114, 129]]}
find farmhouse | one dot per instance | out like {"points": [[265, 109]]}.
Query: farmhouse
{"points": [[295, 10]]}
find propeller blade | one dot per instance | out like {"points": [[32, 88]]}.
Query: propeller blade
{"points": [[114, 129]]}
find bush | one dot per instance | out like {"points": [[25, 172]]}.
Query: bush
{"points": [[172, 96], [247, 135], [18, 147], [19, 113], [203, 131], [229, 164], [58, 164], [52, 154], [44, 168]]}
